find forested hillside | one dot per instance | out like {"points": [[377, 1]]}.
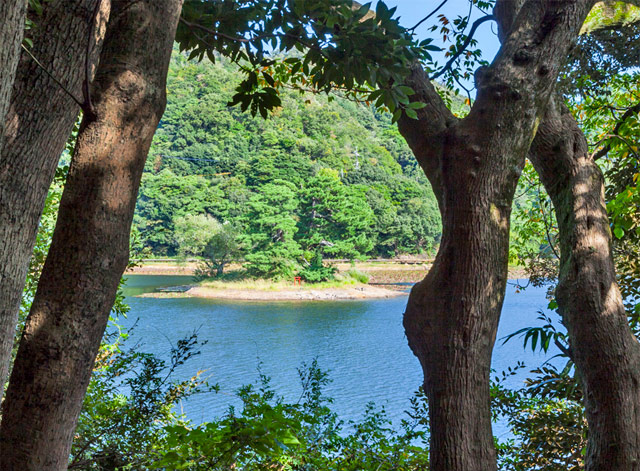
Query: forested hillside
{"points": [[320, 176]]}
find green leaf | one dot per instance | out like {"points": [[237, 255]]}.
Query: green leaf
{"points": [[269, 79], [411, 113], [416, 105], [406, 90], [619, 232]]}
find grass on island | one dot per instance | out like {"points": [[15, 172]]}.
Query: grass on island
{"points": [[237, 280]]}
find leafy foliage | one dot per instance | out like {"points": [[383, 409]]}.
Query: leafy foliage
{"points": [[546, 420], [222, 248], [316, 271], [350, 184], [193, 232], [203, 236], [271, 227], [269, 433], [129, 402], [323, 46]]}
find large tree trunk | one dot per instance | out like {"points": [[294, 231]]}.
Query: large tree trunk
{"points": [[12, 14], [38, 124], [605, 352], [603, 348], [452, 316], [90, 245], [474, 165]]}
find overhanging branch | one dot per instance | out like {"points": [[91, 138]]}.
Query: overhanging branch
{"points": [[464, 45]]}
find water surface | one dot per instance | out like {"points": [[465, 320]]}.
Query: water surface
{"points": [[361, 343]]}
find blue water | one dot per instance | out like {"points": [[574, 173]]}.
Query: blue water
{"points": [[361, 343]]}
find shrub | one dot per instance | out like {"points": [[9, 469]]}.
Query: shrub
{"points": [[359, 276], [317, 271], [129, 402], [269, 433]]}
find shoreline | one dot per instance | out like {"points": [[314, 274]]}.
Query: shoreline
{"points": [[385, 280], [299, 294], [379, 272]]}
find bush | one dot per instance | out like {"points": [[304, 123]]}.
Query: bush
{"points": [[317, 271], [359, 276], [271, 434], [129, 402]]}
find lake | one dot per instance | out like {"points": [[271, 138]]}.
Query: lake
{"points": [[361, 343]]}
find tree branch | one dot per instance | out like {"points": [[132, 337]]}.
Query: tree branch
{"points": [[611, 14], [634, 110], [563, 349], [247, 40], [425, 135], [464, 45], [526, 68], [435, 10], [213, 32]]}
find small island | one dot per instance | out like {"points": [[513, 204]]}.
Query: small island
{"points": [[298, 293], [364, 280], [352, 280]]}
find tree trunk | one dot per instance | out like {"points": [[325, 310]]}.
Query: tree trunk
{"points": [[474, 165], [90, 245], [38, 123], [605, 352], [12, 13], [452, 315]]}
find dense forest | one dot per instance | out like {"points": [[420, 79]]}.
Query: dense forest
{"points": [[322, 175]]}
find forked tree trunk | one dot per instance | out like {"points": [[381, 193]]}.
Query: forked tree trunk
{"points": [[605, 352], [40, 118], [12, 20], [452, 316], [90, 245], [474, 165]]}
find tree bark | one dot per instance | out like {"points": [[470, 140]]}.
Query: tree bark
{"points": [[12, 13], [90, 245], [38, 123], [605, 352], [474, 165]]}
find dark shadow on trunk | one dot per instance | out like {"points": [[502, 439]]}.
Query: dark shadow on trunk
{"points": [[90, 245], [38, 123], [605, 352]]}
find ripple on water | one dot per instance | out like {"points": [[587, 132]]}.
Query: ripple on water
{"points": [[361, 343]]}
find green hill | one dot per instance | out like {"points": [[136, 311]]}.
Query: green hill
{"points": [[319, 176]]}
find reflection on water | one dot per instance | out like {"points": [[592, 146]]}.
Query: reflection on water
{"points": [[362, 343]]}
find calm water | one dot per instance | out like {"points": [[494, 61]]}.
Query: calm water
{"points": [[362, 343]]}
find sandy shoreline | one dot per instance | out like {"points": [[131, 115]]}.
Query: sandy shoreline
{"points": [[379, 274], [294, 294]]}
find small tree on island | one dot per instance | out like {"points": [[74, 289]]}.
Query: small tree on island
{"points": [[204, 236], [220, 250]]}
